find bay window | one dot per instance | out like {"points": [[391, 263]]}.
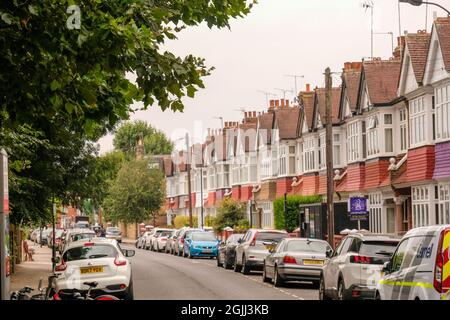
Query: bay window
{"points": [[211, 178], [236, 174], [418, 121], [322, 156], [388, 133], [423, 205], [336, 149], [292, 154], [309, 154], [442, 118], [375, 212], [373, 145], [403, 130], [353, 142], [444, 204], [253, 169], [282, 162], [265, 164], [275, 161]]}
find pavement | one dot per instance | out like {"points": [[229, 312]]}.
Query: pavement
{"points": [[28, 273], [160, 276]]}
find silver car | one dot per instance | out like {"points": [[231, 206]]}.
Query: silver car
{"points": [[113, 233], [254, 247], [296, 259]]}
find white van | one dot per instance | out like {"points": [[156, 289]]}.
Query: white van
{"points": [[420, 266]]}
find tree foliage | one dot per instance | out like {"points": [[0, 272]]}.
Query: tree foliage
{"points": [[183, 221], [155, 141], [293, 210], [230, 213], [80, 73], [135, 194]]}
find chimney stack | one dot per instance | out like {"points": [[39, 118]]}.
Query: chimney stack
{"points": [[308, 87], [272, 103], [277, 103]]}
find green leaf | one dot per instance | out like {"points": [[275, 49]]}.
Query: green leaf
{"points": [[54, 85], [191, 91], [7, 18], [32, 10], [69, 107]]}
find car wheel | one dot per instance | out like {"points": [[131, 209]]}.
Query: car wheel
{"points": [[322, 294], [226, 264], [130, 292], [277, 281], [245, 266], [265, 278], [237, 268], [341, 287]]}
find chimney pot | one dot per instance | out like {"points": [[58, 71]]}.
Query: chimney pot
{"points": [[277, 103], [287, 103], [254, 114], [308, 87], [272, 103]]}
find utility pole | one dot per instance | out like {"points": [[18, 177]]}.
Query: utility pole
{"points": [[53, 234], [329, 152], [188, 168], [201, 195]]}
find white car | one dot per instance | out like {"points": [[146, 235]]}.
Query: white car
{"points": [[100, 260], [420, 266], [354, 269], [76, 235], [113, 233], [149, 239], [140, 243], [160, 239], [254, 247]]}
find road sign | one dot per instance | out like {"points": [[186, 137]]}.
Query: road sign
{"points": [[358, 208]]}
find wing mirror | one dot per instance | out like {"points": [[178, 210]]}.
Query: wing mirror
{"points": [[329, 253], [387, 267], [129, 253], [240, 241]]}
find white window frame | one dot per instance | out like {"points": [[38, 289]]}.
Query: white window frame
{"points": [[322, 151], [309, 154], [403, 122], [418, 121], [442, 119], [375, 212], [423, 203], [444, 204], [354, 142], [337, 149]]}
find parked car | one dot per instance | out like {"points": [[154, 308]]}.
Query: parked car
{"points": [[73, 235], [43, 236], [419, 269], [58, 233], [149, 239], [160, 240], [34, 235], [227, 251], [113, 233], [296, 259], [179, 247], [200, 244], [254, 247], [140, 243], [170, 241], [100, 260], [355, 268]]}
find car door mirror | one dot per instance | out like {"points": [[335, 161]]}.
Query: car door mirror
{"points": [[240, 241], [387, 267], [329, 253], [129, 253]]}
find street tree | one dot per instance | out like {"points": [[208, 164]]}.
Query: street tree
{"points": [[155, 141], [230, 213], [136, 194]]}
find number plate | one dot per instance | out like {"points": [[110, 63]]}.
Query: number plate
{"points": [[313, 262], [91, 270], [206, 250]]}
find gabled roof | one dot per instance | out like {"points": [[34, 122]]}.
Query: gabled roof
{"points": [[381, 78], [321, 105], [287, 120], [265, 122], [243, 128], [418, 46], [351, 79], [168, 166], [307, 99], [442, 26]]}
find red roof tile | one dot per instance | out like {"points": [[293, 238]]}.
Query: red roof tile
{"points": [[352, 79], [418, 44], [307, 102], [266, 123], [442, 26], [382, 79], [287, 120], [335, 103]]}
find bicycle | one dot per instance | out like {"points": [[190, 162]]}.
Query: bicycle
{"points": [[78, 296]]}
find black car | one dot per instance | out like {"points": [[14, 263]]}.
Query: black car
{"points": [[225, 257]]}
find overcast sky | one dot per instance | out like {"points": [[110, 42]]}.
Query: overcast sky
{"points": [[277, 38]]}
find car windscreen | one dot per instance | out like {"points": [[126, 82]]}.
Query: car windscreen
{"points": [[165, 234], [271, 236], [206, 236], [90, 252], [378, 248], [307, 246], [113, 230], [81, 236]]}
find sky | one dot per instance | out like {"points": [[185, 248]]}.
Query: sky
{"points": [[278, 38]]}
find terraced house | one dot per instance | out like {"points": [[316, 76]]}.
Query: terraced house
{"points": [[391, 143]]}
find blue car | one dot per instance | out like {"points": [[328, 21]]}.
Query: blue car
{"points": [[201, 244]]}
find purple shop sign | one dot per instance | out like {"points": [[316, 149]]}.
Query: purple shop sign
{"points": [[358, 208]]}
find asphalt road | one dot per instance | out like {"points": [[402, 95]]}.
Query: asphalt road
{"points": [[160, 276]]}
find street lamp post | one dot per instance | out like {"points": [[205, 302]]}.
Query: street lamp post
{"points": [[420, 2]]}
